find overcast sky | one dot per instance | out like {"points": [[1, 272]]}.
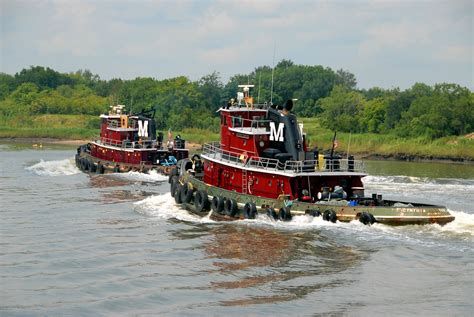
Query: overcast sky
{"points": [[384, 43]]}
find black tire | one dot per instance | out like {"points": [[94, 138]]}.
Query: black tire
{"points": [[271, 213], [201, 201], [174, 172], [92, 167], [330, 215], [174, 183], [100, 169], [230, 207], [217, 204], [250, 211], [366, 218], [285, 214], [186, 193], [177, 194], [314, 213], [85, 165]]}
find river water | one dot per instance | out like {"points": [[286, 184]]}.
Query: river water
{"points": [[107, 245]]}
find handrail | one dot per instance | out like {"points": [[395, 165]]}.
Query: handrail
{"points": [[126, 144], [213, 150]]}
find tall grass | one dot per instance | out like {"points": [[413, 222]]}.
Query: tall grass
{"points": [[86, 127]]}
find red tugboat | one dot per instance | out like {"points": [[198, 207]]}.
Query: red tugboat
{"points": [[262, 165], [129, 142]]}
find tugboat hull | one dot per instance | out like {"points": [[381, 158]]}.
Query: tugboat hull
{"points": [[367, 212]]}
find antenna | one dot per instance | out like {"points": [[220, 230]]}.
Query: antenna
{"points": [[258, 97], [273, 70]]}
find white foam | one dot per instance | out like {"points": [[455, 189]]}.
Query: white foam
{"points": [[152, 176], [164, 206], [55, 168]]}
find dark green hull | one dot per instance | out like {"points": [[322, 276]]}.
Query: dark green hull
{"points": [[385, 214]]}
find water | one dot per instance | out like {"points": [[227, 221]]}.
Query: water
{"points": [[74, 244]]}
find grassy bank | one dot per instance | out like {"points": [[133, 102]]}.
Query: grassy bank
{"points": [[86, 127]]}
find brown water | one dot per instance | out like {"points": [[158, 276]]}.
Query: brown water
{"points": [[74, 244]]}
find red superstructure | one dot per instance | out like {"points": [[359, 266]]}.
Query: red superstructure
{"points": [[130, 142], [263, 152]]}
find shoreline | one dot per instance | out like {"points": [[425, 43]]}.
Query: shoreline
{"points": [[196, 147]]}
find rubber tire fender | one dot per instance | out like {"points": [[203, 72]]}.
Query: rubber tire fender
{"points": [[174, 183], [250, 210], [366, 218], [330, 215], [174, 172], [201, 201], [100, 169], [217, 204], [230, 207], [313, 212], [186, 193], [92, 167], [177, 194], [285, 214], [271, 213]]}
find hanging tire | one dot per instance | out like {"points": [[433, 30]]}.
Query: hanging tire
{"points": [[186, 193], [250, 211], [271, 213], [313, 212], [100, 169], [174, 172], [174, 183], [230, 207], [330, 215], [366, 218], [201, 202], [285, 214], [177, 194], [217, 204], [92, 167]]}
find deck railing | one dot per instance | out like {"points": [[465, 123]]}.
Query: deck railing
{"points": [[213, 151], [125, 144]]}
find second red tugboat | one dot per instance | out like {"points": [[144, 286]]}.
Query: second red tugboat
{"points": [[263, 165], [129, 142]]}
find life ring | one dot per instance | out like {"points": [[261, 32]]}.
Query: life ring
{"points": [[330, 215], [186, 193], [177, 193], [285, 214], [217, 204], [271, 213], [367, 218], [201, 202], [244, 157], [230, 207], [250, 210]]}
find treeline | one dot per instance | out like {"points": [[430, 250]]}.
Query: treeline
{"points": [[422, 110]]}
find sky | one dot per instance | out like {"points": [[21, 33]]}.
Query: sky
{"points": [[388, 44]]}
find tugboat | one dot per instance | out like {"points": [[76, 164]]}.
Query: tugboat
{"points": [[129, 142], [262, 165]]}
